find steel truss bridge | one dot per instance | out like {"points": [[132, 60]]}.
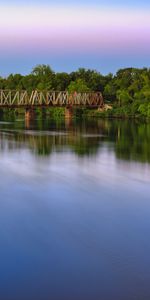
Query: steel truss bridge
{"points": [[18, 99]]}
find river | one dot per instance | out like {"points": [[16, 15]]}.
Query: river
{"points": [[74, 210]]}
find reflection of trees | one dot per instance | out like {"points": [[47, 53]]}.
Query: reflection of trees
{"points": [[133, 141], [129, 140], [42, 141]]}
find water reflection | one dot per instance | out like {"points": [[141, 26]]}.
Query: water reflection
{"points": [[74, 210], [129, 140]]}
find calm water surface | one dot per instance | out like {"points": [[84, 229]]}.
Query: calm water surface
{"points": [[74, 210]]}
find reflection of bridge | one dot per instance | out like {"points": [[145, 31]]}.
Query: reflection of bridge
{"points": [[76, 138], [24, 99]]}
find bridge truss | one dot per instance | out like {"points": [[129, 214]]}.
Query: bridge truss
{"points": [[17, 99]]}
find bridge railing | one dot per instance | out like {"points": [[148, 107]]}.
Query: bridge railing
{"points": [[49, 98]]}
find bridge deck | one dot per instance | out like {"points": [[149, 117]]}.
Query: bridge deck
{"points": [[18, 99]]}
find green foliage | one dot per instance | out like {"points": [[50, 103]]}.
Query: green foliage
{"points": [[42, 71], [128, 90], [123, 97], [61, 81], [144, 109], [110, 91], [78, 86]]}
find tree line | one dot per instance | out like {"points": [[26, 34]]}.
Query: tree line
{"points": [[128, 90]]}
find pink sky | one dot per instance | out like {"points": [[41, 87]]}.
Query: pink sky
{"points": [[29, 30]]}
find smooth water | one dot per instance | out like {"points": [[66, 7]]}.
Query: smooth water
{"points": [[74, 210]]}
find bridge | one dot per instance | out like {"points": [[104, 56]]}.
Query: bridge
{"points": [[30, 100]]}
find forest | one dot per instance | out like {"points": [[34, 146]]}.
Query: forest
{"points": [[127, 91]]}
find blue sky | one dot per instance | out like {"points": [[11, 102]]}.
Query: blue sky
{"points": [[102, 35], [129, 3]]}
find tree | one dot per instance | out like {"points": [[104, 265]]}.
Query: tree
{"points": [[123, 97], [45, 77], [42, 71], [78, 86], [61, 81]]}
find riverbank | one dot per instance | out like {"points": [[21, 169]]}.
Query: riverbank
{"points": [[109, 111], [125, 112]]}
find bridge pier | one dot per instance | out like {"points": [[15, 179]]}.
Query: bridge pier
{"points": [[29, 114], [29, 117], [68, 112]]}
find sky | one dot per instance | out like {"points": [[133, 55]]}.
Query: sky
{"points": [[101, 35]]}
